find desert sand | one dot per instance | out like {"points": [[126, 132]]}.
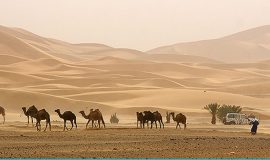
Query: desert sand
{"points": [[53, 74], [123, 140]]}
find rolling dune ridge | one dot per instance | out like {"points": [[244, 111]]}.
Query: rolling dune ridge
{"points": [[182, 77]]}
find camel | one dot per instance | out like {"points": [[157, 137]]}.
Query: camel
{"points": [[67, 115], [149, 116], [158, 118], [42, 115], [31, 111], [87, 117], [90, 118], [96, 115], [3, 112], [140, 118], [179, 118]]}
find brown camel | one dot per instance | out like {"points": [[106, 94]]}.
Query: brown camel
{"points": [[67, 115], [87, 117], [3, 112], [30, 112], [179, 118], [42, 115], [140, 118], [96, 115], [158, 117]]}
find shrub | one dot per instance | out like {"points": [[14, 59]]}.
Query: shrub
{"points": [[114, 118]]}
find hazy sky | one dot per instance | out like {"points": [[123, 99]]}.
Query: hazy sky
{"points": [[138, 24]]}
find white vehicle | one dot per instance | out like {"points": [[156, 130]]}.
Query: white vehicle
{"points": [[236, 118]]}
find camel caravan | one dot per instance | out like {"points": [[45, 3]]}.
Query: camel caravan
{"points": [[95, 117]]}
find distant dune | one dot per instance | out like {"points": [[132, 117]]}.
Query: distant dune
{"points": [[247, 46], [183, 77]]}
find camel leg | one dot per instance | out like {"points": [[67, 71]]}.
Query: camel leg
{"points": [[75, 123], [71, 121], [37, 125], [87, 123], [65, 125], [50, 126], [103, 123], [177, 125], [27, 120], [4, 119], [92, 123], [156, 124], [32, 121], [138, 123], [46, 126], [98, 123], [162, 124], [185, 126]]}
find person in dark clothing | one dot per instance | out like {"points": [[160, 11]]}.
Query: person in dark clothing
{"points": [[254, 127]]}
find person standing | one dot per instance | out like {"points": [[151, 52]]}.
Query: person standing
{"points": [[255, 123]]}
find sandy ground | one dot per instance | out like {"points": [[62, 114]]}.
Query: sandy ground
{"points": [[20, 141]]}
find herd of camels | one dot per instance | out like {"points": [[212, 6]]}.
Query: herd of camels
{"points": [[94, 115]]}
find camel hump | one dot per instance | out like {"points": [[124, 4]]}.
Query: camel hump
{"points": [[44, 110]]}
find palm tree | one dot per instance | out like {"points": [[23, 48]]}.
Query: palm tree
{"points": [[213, 109]]}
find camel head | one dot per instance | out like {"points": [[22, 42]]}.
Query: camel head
{"points": [[82, 112], [24, 110], [172, 113], [57, 110]]}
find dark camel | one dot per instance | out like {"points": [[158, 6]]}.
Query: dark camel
{"points": [[3, 112], [140, 118], [67, 116], [158, 118], [42, 115], [30, 112], [149, 116], [179, 118]]}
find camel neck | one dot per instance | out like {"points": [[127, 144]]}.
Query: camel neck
{"points": [[60, 115], [25, 112], [173, 116], [84, 115]]}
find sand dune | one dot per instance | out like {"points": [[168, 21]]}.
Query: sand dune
{"points": [[183, 78], [7, 59], [176, 58], [247, 46]]}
